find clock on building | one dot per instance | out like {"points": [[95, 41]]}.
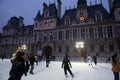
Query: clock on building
{"points": [[82, 18]]}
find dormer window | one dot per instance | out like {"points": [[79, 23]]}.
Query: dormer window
{"points": [[98, 16], [46, 13], [51, 23], [67, 21], [45, 23]]}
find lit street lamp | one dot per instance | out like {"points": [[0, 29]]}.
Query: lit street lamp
{"points": [[23, 47], [79, 45]]}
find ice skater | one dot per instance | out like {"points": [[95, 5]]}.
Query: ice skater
{"points": [[47, 61], [95, 59], [108, 59], [66, 65], [32, 60], [18, 66], [89, 59], [2, 58]]}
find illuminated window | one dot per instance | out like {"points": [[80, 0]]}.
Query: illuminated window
{"points": [[51, 23]]}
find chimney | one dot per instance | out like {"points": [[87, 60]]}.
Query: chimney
{"points": [[21, 21]]}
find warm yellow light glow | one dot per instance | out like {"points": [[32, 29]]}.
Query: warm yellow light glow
{"points": [[79, 44], [23, 47], [51, 23], [82, 18]]}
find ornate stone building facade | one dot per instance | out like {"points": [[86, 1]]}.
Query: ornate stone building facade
{"points": [[54, 35]]}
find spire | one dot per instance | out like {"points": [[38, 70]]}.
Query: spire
{"points": [[38, 15], [45, 5]]}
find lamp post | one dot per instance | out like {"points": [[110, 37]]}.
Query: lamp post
{"points": [[23, 47], [79, 45]]}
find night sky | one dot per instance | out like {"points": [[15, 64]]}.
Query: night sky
{"points": [[29, 8]]}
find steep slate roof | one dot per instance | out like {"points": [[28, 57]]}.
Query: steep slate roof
{"points": [[52, 10], [71, 13], [38, 15], [91, 13], [116, 2], [14, 21], [92, 10], [22, 30]]}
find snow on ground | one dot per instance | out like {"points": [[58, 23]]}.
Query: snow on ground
{"points": [[81, 70]]}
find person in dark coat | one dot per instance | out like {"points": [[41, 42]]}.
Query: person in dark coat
{"points": [[108, 59], [20, 66], [47, 61], [95, 59], [32, 60], [2, 58], [66, 64]]}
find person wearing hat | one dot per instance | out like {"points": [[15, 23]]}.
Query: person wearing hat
{"points": [[115, 66]]}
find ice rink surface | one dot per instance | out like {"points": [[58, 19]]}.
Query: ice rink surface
{"points": [[81, 71]]}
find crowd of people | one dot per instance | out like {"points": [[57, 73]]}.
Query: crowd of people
{"points": [[22, 63]]}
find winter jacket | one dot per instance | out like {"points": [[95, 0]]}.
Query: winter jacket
{"points": [[32, 60], [66, 63], [19, 67], [116, 67]]}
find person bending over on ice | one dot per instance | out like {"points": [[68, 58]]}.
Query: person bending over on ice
{"points": [[20, 66], [66, 64]]}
